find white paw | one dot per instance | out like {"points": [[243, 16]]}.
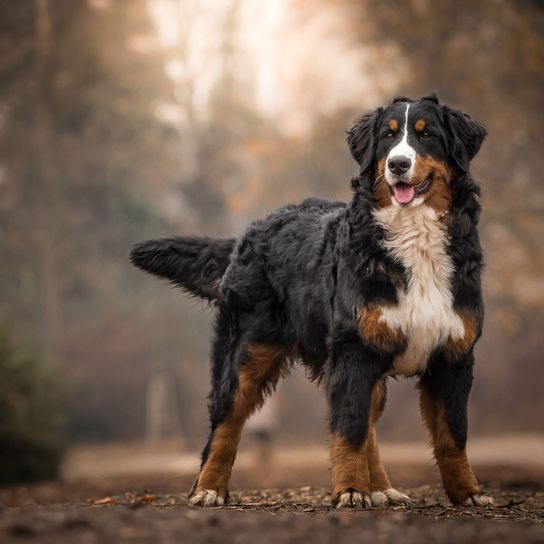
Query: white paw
{"points": [[379, 498], [389, 497], [208, 497], [479, 499], [353, 499], [396, 497]]}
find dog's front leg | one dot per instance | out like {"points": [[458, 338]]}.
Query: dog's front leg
{"points": [[349, 382], [444, 392]]}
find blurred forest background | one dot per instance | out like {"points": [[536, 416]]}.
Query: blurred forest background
{"points": [[127, 120]]}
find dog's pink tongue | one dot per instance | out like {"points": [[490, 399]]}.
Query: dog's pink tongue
{"points": [[404, 193]]}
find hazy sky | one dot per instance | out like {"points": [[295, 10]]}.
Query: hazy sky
{"points": [[297, 62]]}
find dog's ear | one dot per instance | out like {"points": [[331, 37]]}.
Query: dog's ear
{"points": [[362, 139], [467, 136]]}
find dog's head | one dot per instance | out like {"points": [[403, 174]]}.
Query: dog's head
{"points": [[409, 151]]}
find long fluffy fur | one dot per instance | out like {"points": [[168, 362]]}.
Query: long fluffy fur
{"points": [[194, 263]]}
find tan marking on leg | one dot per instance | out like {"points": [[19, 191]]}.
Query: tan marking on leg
{"points": [[263, 369], [459, 346], [377, 333], [438, 196], [266, 364], [361, 468], [381, 491], [349, 466], [378, 477], [459, 481], [216, 471], [378, 394]]}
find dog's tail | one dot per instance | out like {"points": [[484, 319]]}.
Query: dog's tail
{"points": [[194, 263]]}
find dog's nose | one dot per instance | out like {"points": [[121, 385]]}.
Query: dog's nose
{"points": [[399, 164]]}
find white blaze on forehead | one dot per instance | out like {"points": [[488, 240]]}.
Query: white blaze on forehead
{"points": [[404, 149]]}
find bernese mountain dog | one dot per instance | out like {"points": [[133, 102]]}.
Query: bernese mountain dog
{"points": [[386, 285]]}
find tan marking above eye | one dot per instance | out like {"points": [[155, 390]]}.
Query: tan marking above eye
{"points": [[420, 125], [393, 125]]}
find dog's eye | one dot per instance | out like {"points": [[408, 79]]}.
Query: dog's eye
{"points": [[425, 135], [389, 135]]}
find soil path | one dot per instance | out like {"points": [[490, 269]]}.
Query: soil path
{"points": [[276, 516], [275, 504]]}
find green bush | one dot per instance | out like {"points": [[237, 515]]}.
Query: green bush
{"points": [[31, 418]]}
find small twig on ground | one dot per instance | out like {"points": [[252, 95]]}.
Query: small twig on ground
{"points": [[509, 504]]}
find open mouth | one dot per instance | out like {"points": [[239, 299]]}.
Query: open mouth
{"points": [[405, 193]]}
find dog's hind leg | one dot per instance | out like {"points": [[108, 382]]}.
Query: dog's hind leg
{"points": [[239, 387], [381, 491]]}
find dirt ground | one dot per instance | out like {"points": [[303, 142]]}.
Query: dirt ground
{"points": [[275, 505]]}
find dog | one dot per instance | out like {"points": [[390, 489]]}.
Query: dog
{"points": [[386, 285]]}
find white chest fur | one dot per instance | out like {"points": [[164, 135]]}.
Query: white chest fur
{"points": [[424, 313]]}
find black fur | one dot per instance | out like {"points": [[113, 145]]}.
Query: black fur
{"points": [[466, 137], [451, 383], [362, 138], [296, 278], [196, 264]]}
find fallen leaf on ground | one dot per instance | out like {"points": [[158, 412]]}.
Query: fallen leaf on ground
{"points": [[105, 500]]}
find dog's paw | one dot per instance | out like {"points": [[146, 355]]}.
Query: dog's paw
{"points": [[479, 499], [209, 497], [379, 498], [389, 497], [352, 498], [396, 497]]}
